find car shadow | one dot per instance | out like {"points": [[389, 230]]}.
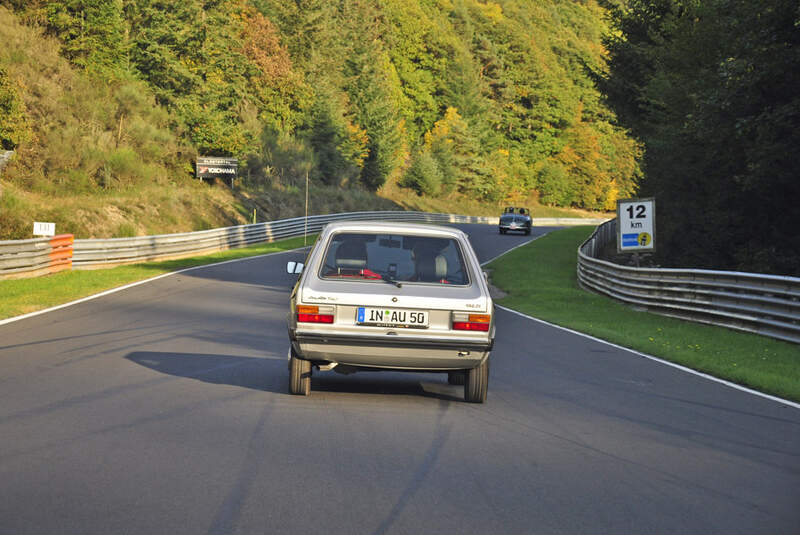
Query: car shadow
{"points": [[258, 373], [429, 385], [270, 374]]}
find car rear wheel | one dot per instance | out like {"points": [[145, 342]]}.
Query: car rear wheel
{"points": [[477, 383], [299, 376]]}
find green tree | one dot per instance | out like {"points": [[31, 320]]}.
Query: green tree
{"points": [[710, 88], [373, 87], [93, 33], [14, 125], [423, 175]]}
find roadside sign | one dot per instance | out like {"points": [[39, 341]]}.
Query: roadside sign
{"points": [[44, 229], [636, 225], [217, 168]]}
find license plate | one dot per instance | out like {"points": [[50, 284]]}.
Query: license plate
{"points": [[392, 317]]}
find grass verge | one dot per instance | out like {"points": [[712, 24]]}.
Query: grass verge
{"points": [[540, 281], [23, 296]]}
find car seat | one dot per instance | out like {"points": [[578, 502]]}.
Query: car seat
{"points": [[430, 268], [352, 255]]}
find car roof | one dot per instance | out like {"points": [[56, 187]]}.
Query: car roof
{"points": [[393, 227]]}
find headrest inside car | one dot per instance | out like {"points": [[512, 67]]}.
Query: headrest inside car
{"points": [[431, 268], [351, 254]]}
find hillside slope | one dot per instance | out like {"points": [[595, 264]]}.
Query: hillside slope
{"points": [[108, 103]]}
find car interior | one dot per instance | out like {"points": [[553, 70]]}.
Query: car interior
{"points": [[400, 258]]}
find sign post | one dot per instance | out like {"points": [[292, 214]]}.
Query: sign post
{"points": [[636, 226]]}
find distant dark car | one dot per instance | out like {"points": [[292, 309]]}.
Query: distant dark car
{"points": [[516, 219]]}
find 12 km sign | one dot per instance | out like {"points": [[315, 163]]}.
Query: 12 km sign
{"points": [[636, 225]]}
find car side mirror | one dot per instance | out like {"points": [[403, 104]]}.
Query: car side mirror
{"points": [[486, 277], [294, 268]]}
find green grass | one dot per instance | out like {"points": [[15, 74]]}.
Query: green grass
{"points": [[22, 296], [540, 281]]}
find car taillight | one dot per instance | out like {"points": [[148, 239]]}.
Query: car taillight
{"points": [[471, 322], [313, 314]]}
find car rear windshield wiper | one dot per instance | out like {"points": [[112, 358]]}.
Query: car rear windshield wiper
{"points": [[391, 280]]}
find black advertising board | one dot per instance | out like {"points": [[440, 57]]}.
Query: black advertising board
{"points": [[217, 168]]}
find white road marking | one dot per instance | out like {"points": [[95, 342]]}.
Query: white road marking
{"points": [[137, 283], [656, 359]]}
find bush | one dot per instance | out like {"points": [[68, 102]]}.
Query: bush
{"points": [[555, 185], [424, 175], [15, 221], [14, 128]]}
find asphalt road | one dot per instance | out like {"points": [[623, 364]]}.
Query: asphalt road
{"points": [[163, 409]]}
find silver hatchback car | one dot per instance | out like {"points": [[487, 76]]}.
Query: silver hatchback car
{"points": [[391, 296]]}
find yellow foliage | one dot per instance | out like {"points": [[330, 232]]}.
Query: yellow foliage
{"points": [[612, 194], [442, 128], [492, 11], [359, 140]]}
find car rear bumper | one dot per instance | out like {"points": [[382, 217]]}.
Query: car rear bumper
{"points": [[391, 352]]}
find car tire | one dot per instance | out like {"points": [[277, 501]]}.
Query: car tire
{"points": [[528, 232], [299, 376], [456, 378], [476, 384], [502, 231]]}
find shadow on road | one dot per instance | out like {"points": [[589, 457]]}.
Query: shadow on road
{"points": [[392, 383], [267, 373], [270, 374]]}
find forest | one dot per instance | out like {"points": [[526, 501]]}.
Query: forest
{"points": [[569, 103], [712, 90], [492, 101]]}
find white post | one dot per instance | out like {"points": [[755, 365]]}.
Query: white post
{"points": [[305, 226]]}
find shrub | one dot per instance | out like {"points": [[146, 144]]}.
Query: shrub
{"points": [[15, 221], [424, 175], [14, 128], [554, 185]]}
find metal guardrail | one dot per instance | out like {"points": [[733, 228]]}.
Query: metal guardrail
{"points": [[101, 253], [764, 304], [39, 256], [31, 258], [563, 221]]}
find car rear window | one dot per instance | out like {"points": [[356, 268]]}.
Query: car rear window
{"points": [[393, 257]]}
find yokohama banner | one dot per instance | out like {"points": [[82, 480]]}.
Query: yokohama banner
{"points": [[217, 168]]}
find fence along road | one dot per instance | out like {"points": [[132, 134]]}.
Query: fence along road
{"points": [[28, 258], [35, 257], [762, 304]]}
